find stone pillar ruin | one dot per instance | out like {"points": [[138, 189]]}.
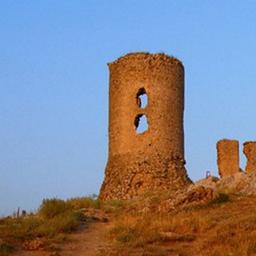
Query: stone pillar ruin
{"points": [[250, 153], [152, 158], [228, 157]]}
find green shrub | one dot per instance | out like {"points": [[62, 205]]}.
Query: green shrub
{"points": [[62, 223], [5, 248], [53, 207], [54, 218], [222, 198], [127, 235], [135, 231], [251, 248], [113, 206], [84, 202], [25, 228], [31, 227]]}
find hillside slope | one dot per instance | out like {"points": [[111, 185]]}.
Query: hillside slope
{"points": [[223, 227]]}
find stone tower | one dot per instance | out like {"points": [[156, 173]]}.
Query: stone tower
{"points": [[152, 160]]}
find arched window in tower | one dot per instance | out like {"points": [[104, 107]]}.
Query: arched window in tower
{"points": [[141, 123], [142, 98]]}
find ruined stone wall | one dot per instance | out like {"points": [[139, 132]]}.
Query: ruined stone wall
{"points": [[250, 153], [228, 157], [154, 159]]}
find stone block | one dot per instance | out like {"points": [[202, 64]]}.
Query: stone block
{"points": [[250, 153], [228, 157]]}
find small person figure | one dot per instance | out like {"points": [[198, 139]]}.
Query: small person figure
{"points": [[208, 174], [23, 213]]}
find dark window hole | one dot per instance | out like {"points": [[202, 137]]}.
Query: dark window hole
{"points": [[142, 98]]}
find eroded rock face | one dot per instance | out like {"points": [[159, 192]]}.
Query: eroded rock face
{"points": [[193, 195], [228, 157], [239, 183], [250, 153], [152, 159]]}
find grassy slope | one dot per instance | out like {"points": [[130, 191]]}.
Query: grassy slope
{"points": [[49, 226], [225, 228]]}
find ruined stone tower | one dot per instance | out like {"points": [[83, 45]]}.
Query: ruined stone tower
{"points": [[151, 160], [228, 157], [250, 153]]}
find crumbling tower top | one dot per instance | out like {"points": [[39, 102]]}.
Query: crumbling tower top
{"points": [[146, 56]]}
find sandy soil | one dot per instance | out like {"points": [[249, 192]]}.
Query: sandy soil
{"points": [[88, 241]]}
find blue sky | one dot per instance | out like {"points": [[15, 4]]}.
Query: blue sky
{"points": [[54, 85]]}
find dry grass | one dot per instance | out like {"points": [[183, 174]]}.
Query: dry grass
{"points": [[53, 218], [84, 202], [223, 227]]}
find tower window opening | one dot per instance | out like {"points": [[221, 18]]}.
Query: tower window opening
{"points": [[141, 123], [142, 98]]}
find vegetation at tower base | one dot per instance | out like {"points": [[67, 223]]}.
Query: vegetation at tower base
{"points": [[222, 227], [154, 159], [211, 217]]}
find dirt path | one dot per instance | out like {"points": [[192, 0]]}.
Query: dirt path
{"points": [[89, 241]]}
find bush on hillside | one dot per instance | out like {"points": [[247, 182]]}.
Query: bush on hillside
{"points": [[53, 207], [84, 202]]}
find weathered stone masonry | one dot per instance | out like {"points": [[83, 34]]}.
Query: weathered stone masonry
{"points": [[152, 160], [228, 157], [250, 153]]}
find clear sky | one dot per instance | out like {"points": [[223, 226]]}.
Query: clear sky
{"points": [[54, 85]]}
